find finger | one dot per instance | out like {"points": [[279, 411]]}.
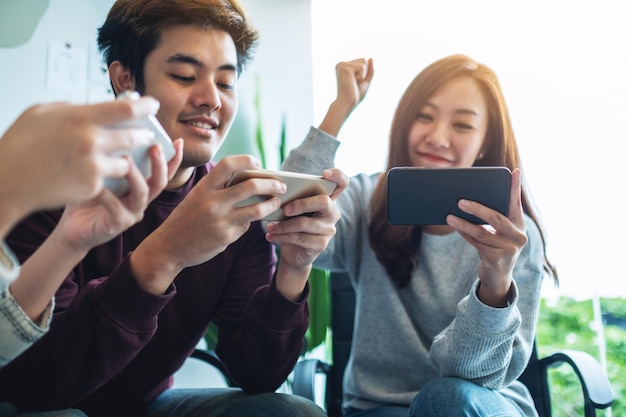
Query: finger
{"points": [[360, 69], [254, 189], [158, 173], [118, 210], [307, 241], [338, 177], [320, 226], [138, 189], [516, 212], [174, 163], [258, 210], [319, 205], [117, 111], [471, 232], [113, 166], [370, 69], [123, 140], [221, 174]]}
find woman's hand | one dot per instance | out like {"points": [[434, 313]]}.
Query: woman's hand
{"points": [[353, 82], [499, 242]]}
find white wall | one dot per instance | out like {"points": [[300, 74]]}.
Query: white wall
{"points": [[561, 65], [282, 64], [283, 67]]}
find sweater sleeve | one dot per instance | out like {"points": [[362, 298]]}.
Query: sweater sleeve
{"points": [[315, 154], [260, 332], [18, 331], [491, 346]]}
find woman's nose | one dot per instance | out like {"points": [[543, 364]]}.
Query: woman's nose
{"points": [[438, 135]]}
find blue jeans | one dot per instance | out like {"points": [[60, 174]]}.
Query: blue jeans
{"points": [[229, 402], [7, 410], [446, 397], [382, 411]]}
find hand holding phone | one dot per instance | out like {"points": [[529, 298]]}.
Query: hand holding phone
{"points": [[139, 155], [298, 186], [425, 196]]}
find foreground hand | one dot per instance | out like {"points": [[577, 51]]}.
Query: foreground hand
{"points": [[499, 243], [96, 221], [69, 149]]}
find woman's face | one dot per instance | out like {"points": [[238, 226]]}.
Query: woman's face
{"points": [[450, 128]]}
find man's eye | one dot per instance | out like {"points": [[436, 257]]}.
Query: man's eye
{"points": [[227, 86], [183, 78]]}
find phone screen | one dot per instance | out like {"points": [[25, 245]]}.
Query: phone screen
{"points": [[425, 196]]}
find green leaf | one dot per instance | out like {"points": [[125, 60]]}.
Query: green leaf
{"points": [[282, 151], [259, 126], [318, 308]]}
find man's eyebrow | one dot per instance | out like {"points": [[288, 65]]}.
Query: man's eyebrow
{"points": [[188, 59], [459, 111]]}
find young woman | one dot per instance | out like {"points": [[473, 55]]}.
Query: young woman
{"points": [[446, 314]]}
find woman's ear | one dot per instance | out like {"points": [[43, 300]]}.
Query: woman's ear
{"points": [[121, 79]]}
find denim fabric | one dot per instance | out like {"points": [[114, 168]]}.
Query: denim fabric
{"points": [[445, 397], [384, 411], [229, 402], [7, 410]]}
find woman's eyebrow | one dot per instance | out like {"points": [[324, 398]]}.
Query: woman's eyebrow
{"points": [[468, 111], [458, 111]]}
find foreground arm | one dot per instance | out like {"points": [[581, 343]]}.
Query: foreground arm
{"points": [[74, 156]]}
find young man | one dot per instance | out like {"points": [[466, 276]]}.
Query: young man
{"points": [[133, 310]]}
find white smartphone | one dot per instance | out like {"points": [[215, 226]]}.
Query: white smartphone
{"points": [[298, 186], [119, 186]]}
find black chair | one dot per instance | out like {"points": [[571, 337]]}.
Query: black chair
{"points": [[210, 357], [596, 388]]}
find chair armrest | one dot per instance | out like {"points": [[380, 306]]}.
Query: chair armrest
{"points": [[211, 358], [596, 386], [304, 377]]}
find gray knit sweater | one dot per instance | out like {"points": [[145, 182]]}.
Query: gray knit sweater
{"points": [[436, 326]]}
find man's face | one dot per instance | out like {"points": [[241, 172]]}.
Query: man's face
{"points": [[193, 73]]}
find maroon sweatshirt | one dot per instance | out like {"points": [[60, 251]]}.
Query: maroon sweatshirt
{"points": [[113, 347]]}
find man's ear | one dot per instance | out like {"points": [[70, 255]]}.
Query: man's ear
{"points": [[121, 79]]}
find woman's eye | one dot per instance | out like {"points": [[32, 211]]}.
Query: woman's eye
{"points": [[464, 126], [424, 117]]}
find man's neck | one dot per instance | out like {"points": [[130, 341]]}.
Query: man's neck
{"points": [[180, 178]]}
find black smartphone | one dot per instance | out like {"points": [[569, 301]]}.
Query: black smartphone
{"points": [[425, 196]]}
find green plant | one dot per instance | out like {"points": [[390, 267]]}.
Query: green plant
{"points": [[569, 324]]}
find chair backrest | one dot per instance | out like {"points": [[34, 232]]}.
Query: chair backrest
{"points": [[342, 306], [342, 302]]}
